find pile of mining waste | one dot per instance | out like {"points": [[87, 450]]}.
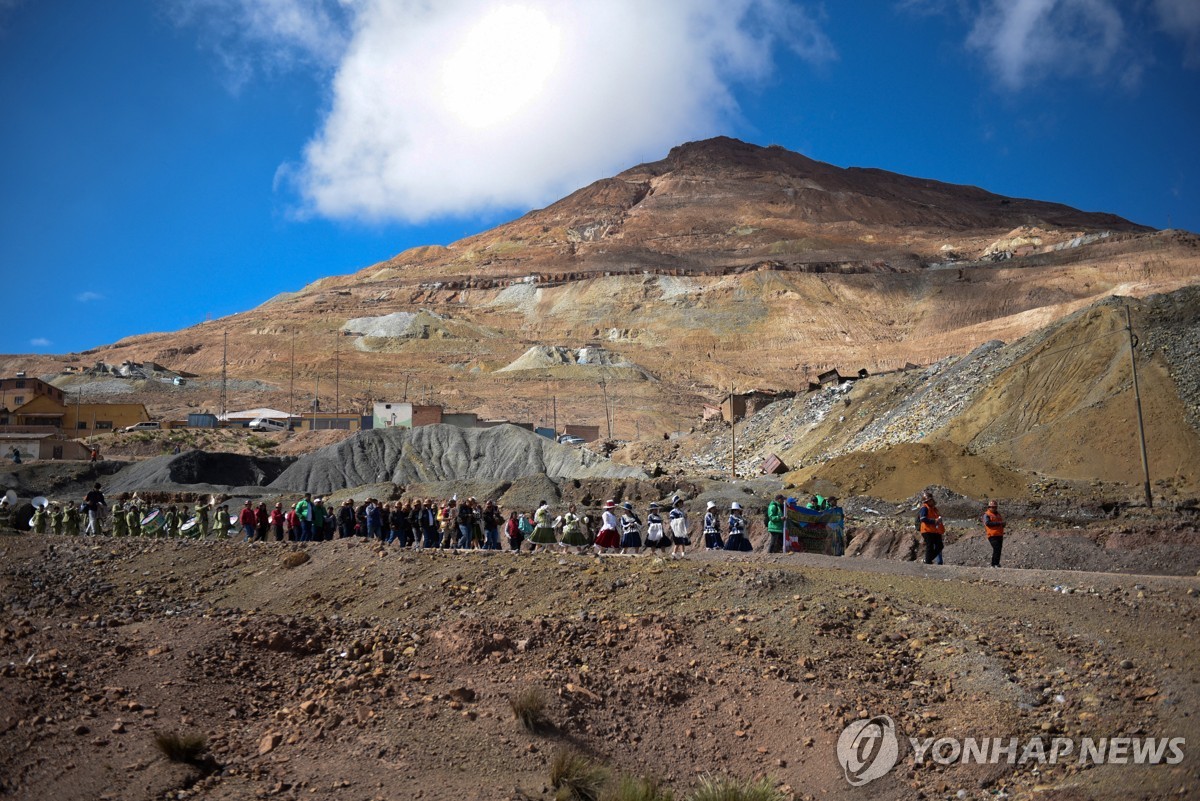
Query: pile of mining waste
{"points": [[199, 471], [443, 453]]}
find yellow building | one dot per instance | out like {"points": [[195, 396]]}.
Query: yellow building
{"points": [[78, 419]]}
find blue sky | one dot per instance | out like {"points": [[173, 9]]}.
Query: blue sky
{"points": [[165, 162]]}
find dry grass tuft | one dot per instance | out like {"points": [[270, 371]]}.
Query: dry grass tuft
{"points": [[640, 788], [529, 708], [727, 788], [185, 748], [576, 777]]}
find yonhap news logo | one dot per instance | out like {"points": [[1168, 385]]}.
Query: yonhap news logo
{"points": [[870, 747]]}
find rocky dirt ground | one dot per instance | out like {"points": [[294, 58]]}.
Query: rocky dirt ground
{"points": [[367, 673]]}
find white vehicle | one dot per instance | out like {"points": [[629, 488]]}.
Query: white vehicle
{"points": [[570, 440], [268, 424], [145, 425]]}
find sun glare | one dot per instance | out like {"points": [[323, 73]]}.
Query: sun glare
{"points": [[503, 65]]}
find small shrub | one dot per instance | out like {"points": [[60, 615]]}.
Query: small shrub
{"points": [[576, 777], [185, 748], [639, 788], [727, 788], [529, 708]]}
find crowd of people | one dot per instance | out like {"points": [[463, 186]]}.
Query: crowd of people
{"points": [[425, 523]]}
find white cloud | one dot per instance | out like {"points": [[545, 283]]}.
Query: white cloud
{"points": [[89, 296], [1181, 19], [267, 35], [1027, 40], [466, 106], [40, 342]]}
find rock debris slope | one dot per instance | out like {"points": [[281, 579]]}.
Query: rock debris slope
{"points": [[440, 453]]}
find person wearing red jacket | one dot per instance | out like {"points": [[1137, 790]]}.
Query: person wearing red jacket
{"points": [[277, 522], [247, 518], [993, 526], [291, 522]]}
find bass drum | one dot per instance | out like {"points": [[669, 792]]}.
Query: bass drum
{"points": [[152, 523], [190, 527]]}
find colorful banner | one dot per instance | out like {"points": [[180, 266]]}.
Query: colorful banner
{"points": [[810, 531]]}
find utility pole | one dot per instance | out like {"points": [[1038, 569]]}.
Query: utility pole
{"points": [[292, 382], [554, 403], [732, 435], [225, 378], [1137, 398], [316, 400], [607, 419]]}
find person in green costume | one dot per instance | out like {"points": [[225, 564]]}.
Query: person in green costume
{"points": [[202, 519], [71, 520], [39, 520], [221, 524], [171, 521], [56, 518], [120, 529], [133, 519]]}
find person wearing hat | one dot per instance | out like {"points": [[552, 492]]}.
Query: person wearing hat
{"points": [[993, 526], [656, 536], [572, 530], [543, 532], [737, 541], [631, 529], [775, 524], [608, 537], [712, 528], [929, 522], [681, 530]]}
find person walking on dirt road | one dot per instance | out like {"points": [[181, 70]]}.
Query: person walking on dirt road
{"points": [[94, 500], [993, 526], [929, 521]]}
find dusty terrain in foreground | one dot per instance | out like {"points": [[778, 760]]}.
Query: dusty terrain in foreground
{"points": [[368, 673]]}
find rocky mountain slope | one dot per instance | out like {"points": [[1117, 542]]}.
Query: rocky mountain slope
{"points": [[725, 264]]}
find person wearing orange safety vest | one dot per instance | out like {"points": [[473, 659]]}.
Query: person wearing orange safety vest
{"points": [[993, 526], [929, 521]]}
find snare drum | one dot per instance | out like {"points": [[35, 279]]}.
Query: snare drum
{"points": [[152, 523]]}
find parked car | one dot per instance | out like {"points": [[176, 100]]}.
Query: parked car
{"points": [[268, 424], [145, 425], [567, 439]]}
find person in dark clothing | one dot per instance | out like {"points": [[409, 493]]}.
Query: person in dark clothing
{"points": [[465, 519], [262, 522], [929, 521], [993, 526], [492, 520], [94, 502], [398, 525], [345, 518]]}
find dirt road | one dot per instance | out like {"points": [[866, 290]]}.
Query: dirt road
{"points": [[369, 673]]}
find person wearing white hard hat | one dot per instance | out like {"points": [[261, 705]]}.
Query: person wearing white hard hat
{"points": [[736, 541], [712, 528]]}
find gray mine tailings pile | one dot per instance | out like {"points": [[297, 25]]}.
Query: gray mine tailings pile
{"points": [[440, 453]]}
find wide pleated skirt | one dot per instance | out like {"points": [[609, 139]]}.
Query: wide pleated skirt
{"points": [[543, 535]]}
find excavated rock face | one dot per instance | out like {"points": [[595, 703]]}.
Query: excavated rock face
{"points": [[439, 453]]}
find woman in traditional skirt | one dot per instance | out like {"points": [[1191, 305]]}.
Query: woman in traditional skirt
{"points": [[608, 539], [712, 528], [631, 529], [543, 532], [656, 535], [572, 528], [680, 529], [737, 541]]}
